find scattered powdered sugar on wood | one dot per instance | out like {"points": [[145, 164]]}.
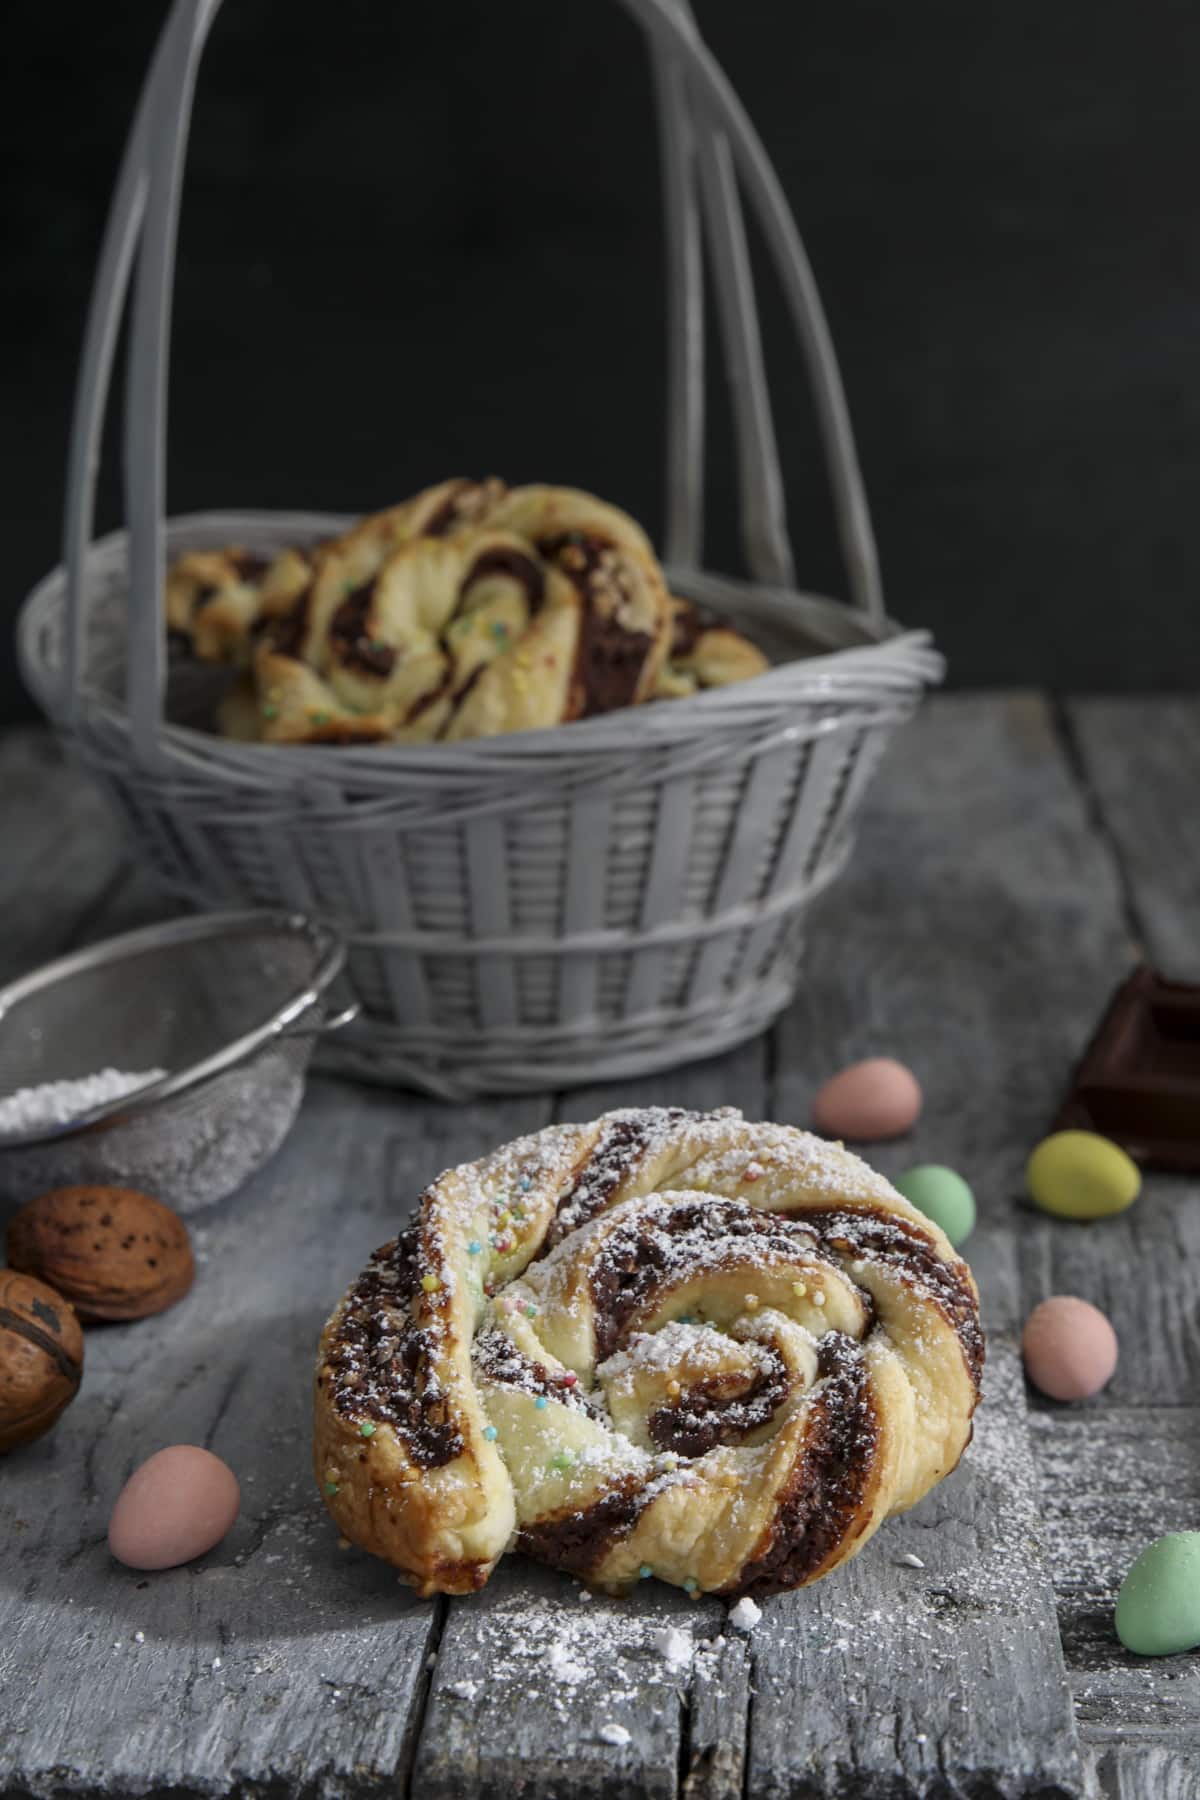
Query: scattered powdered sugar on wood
{"points": [[745, 1615], [674, 1646]]}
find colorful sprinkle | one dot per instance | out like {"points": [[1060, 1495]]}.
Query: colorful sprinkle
{"points": [[645, 1572], [366, 1430], [504, 1218], [319, 718], [530, 1310], [562, 1459], [474, 1247], [504, 1244], [270, 712], [489, 1432], [690, 1584], [499, 630], [430, 1284], [331, 1488], [524, 1184], [568, 1378], [799, 1289], [686, 1319], [489, 1288], [541, 1403]]}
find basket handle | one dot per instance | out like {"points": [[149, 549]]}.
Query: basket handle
{"points": [[698, 106], [686, 154], [703, 126]]}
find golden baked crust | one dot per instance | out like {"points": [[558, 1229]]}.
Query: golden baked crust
{"points": [[721, 1351], [466, 611], [704, 653]]}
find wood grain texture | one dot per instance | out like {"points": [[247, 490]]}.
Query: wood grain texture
{"points": [[942, 945], [992, 902], [502, 1652], [1140, 760], [1126, 1467]]}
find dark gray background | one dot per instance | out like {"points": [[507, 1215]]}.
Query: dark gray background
{"points": [[422, 240]]}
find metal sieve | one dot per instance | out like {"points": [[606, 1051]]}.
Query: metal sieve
{"points": [[228, 1005]]}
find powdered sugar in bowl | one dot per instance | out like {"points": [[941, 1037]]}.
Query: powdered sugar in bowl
{"points": [[171, 1059]]}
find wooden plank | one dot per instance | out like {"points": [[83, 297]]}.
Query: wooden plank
{"points": [[1140, 760], [1112, 1479], [1127, 1467], [279, 1660], [942, 944], [502, 1716], [947, 1678], [1138, 1771]]}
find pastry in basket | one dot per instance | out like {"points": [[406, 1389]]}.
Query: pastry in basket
{"points": [[468, 611], [704, 653], [664, 1342], [216, 599]]}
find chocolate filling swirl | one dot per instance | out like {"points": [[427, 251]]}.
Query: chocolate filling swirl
{"points": [[827, 1487], [721, 1409], [351, 639], [382, 1363], [611, 655]]}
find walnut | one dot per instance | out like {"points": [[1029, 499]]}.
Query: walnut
{"points": [[41, 1357], [114, 1253]]}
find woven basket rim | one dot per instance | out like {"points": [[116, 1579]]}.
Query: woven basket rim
{"points": [[908, 656]]}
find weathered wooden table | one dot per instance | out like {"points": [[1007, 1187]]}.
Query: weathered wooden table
{"points": [[1014, 856]]}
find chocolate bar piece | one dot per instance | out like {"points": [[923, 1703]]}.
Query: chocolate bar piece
{"points": [[1138, 1082]]}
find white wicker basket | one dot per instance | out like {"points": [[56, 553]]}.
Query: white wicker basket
{"points": [[609, 897]]}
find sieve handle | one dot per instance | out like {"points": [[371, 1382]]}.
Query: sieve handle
{"points": [[307, 1026]]}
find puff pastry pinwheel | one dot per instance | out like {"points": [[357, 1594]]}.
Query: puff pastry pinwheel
{"points": [[665, 1342]]}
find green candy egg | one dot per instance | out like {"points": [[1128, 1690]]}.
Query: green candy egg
{"points": [[1077, 1175], [942, 1196], [1158, 1607]]}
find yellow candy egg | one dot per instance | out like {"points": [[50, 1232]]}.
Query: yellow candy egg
{"points": [[1077, 1175]]}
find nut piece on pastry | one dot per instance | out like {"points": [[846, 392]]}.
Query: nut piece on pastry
{"points": [[672, 1341], [705, 652]]}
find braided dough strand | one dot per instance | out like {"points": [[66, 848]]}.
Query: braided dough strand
{"points": [[681, 1342]]}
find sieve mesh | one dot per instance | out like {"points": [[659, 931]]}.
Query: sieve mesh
{"points": [[170, 998]]}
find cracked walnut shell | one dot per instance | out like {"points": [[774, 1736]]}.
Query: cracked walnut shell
{"points": [[41, 1358], [114, 1253]]}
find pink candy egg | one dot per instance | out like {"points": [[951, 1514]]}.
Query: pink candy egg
{"points": [[179, 1504], [1070, 1349], [878, 1098]]}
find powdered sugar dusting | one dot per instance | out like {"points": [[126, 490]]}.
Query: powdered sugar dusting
{"points": [[60, 1102]]}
